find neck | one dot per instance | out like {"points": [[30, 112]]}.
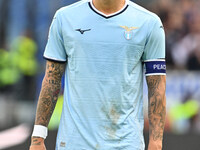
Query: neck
{"points": [[108, 6]]}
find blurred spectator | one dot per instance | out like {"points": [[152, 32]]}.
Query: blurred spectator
{"points": [[184, 116], [18, 65], [181, 19]]}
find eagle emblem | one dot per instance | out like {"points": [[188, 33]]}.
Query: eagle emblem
{"points": [[128, 31]]}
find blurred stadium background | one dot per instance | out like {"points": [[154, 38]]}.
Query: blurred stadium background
{"points": [[24, 28]]}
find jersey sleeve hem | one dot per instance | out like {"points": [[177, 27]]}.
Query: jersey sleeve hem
{"points": [[54, 59], [155, 74], [158, 59]]}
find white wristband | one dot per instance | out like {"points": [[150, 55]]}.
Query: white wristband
{"points": [[40, 131]]}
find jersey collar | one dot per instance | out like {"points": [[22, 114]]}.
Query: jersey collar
{"points": [[110, 15]]}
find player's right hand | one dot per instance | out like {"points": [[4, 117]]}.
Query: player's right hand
{"points": [[37, 143]]}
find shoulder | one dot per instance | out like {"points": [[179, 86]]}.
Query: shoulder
{"points": [[144, 13]]}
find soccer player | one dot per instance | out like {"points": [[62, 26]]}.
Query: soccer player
{"points": [[102, 45]]}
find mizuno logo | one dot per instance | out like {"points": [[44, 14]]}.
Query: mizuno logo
{"points": [[82, 31]]}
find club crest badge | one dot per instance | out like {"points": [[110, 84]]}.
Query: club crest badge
{"points": [[128, 33]]}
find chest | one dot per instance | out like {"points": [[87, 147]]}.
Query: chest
{"points": [[124, 30]]}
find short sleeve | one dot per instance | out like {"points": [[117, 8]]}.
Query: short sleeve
{"points": [[155, 44], [154, 52], [55, 49]]}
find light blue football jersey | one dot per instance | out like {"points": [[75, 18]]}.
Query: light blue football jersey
{"points": [[103, 97]]}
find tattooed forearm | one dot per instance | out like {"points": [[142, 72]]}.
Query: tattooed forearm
{"points": [[49, 93], [157, 106]]}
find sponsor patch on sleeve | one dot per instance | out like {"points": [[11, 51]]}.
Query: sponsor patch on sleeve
{"points": [[155, 67]]}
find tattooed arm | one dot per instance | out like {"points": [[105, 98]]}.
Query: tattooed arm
{"points": [[156, 110], [47, 100]]}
